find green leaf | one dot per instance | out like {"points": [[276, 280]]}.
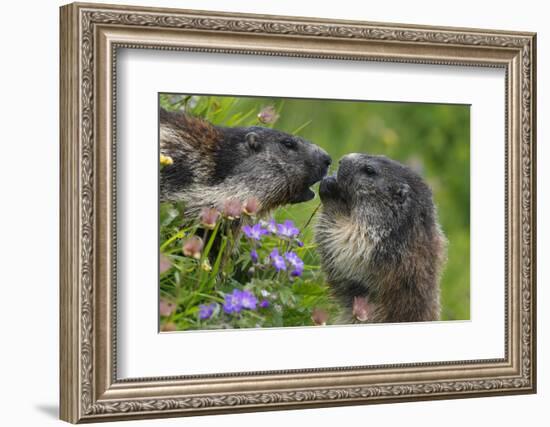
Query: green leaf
{"points": [[167, 214]]}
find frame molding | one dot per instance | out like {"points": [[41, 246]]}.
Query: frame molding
{"points": [[89, 38]]}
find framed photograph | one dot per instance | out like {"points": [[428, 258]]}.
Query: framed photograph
{"points": [[266, 212]]}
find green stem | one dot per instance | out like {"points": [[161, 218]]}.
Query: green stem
{"points": [[211, 240], [311, 217], [178, 235], [216, 267], [204, 255], [233, 234]]}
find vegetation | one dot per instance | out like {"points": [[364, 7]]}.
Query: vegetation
{"points": [[267, 273]]}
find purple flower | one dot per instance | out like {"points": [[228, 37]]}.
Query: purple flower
{"points": [[287, 229], [206, 310], [277, 260], [271, 226], [268, 115], [255, 232], [299, 243], [248, 300], [238, 300], [297, 264], [264, 303], [232, 302], [254, 256], [293, 258], [297, 272]]}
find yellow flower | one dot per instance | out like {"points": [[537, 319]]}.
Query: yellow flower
{"points": [[206, 265], [166, 160]]}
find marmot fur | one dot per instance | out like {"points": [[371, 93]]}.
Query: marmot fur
{"points": [[379, 240], [212, 164]]}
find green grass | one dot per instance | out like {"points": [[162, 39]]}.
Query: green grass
{"points": [[433, 139]]}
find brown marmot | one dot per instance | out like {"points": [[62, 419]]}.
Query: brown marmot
{"points": [[379, 240], [212, 164]]}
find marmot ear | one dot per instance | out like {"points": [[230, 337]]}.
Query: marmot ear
{"points": [[401, 192], [253, 140]]}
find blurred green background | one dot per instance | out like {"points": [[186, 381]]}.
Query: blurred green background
{"points": [[433, 139]]}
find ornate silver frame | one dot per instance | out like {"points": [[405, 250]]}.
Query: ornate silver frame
{"points": [[90, 36]]}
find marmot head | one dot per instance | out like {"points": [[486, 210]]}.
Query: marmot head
{"points": [[381, 195], [276, 167], [212, 164]]}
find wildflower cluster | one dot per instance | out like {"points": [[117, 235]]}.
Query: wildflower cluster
{"points": [[249, 274], [285, 236], [228, 267]]}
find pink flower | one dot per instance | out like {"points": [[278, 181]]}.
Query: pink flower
{"points": [[164, 264], [319, 316], [166, 308], [193, 247], [361, 309], [251, 206], [209, 217], [232, 208], [169, 327]]}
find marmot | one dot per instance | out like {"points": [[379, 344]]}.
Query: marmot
{"points": [[212, 164], [379, 240]]}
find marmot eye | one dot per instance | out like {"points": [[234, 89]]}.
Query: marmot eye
{"points": [[289, 143], [369, 170]]}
